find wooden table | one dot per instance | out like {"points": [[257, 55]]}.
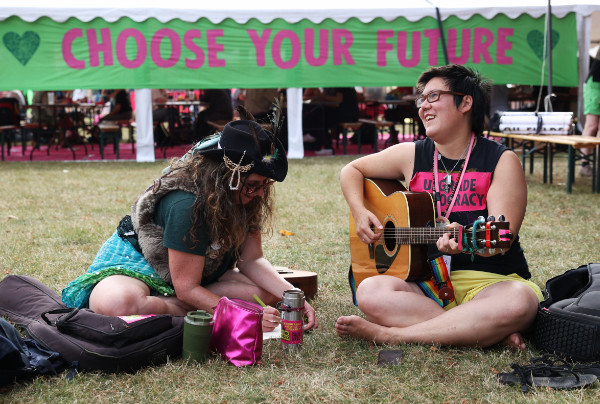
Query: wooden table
{"points": [[530, 143]]}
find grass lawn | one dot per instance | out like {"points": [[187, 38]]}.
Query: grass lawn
{"points": [[55, 216]]}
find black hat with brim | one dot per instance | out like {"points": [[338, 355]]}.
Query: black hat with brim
{"points": [[248, 147]]}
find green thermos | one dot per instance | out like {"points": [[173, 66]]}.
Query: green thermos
{"points": [[197, 329]]}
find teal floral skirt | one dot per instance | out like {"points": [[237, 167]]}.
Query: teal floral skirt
{"points": [[116, 257]]}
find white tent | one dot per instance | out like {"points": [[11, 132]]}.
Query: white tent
{"points": [[292, 12]]}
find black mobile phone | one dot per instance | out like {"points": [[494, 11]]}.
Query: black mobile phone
{"points": [[389, 357]]}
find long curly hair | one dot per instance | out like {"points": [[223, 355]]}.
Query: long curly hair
{"points": [[218, 208]]}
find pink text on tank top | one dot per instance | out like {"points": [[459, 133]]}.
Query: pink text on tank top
{"points": [[471, 193]]}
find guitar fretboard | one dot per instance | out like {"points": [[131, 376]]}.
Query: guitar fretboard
{"points": [[419, 235]]}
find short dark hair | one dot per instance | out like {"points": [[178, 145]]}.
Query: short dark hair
{"points": [[462, 79]]}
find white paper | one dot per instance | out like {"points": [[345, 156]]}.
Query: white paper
{"points": [[276, 333]]}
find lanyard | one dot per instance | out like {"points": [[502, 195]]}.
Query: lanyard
{"points": [[457, 185]]}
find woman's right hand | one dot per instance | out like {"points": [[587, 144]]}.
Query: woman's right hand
{"points": [[271, 319], [368, 227]]}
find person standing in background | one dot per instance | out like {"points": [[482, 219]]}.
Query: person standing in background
{"points": [[333, 106], [591, 110], [218, 109], [258, 101]]}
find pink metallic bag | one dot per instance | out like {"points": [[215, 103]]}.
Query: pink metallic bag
{"points": [[237, 331]]}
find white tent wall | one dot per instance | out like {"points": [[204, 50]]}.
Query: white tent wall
{"points": [[313, 10]]}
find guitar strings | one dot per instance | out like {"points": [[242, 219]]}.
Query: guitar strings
{"points": [[414, 231]]}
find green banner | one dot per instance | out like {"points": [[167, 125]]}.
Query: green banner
{"points": [[47, 55]]}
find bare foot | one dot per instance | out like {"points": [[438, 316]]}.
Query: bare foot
{"points": [[358, 327], [515, 341]]}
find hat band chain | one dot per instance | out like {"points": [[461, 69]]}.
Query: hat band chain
{"points": [[236, 169]]}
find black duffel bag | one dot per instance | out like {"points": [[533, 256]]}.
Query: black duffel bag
{"points": [[88, 340], [568, 320]]}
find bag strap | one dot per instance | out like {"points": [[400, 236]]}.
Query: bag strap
{"points": [[61, 320]]}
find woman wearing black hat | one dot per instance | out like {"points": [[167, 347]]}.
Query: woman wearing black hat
{"points": [[195, 234]]}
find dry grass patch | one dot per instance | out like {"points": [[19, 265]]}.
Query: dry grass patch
{"points": [[55, 217]]}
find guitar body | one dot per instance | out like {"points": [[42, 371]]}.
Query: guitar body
{"points": [[395, 207], [306, 281]]}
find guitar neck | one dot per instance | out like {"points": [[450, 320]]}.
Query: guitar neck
{"points": [[420, 235]]}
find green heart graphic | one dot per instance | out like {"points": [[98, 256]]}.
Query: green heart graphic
{"points": [[22, 47], [535, 39]]}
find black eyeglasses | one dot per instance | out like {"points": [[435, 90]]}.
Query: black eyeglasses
{"points": [[253, 187], [433, 96]]}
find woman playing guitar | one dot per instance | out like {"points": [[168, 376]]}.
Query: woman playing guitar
{"points": [[468, 176]]}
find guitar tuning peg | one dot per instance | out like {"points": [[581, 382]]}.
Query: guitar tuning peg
{"points": [[491, 219], [501, 218]]}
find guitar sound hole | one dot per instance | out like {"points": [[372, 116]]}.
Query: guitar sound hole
{"points": [[388, 236]]}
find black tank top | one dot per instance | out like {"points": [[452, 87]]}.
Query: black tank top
{"points": [[471, 201]]}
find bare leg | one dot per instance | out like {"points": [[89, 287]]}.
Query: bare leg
{"points": [[590, 128], [497, 313], [120, 295], [390, 301]]}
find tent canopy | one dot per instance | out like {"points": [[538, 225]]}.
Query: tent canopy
{"points": [[268, 10], [62, 45], [227, 44]]}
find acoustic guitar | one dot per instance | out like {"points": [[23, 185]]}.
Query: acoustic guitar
{"points": [[306, 281], [407, 219]]}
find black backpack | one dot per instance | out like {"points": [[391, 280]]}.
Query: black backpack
{"points": [[86, 339], [568, 320], [22, 359]]}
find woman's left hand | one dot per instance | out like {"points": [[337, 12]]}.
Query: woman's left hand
{"points": [[311, 322], [447, 245]]}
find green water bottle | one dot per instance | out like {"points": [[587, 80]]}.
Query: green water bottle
{"points": [[197, 329]]}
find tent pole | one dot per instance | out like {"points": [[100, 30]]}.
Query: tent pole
{"points": [[442, 36], [549, 33]]}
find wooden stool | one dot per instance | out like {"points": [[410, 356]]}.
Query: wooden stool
{"points": [[303, 280], [109, 131], [380, 126], [354, 127]]}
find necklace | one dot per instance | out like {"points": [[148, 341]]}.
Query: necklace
{"points": [[453, 195], [447, 180]]}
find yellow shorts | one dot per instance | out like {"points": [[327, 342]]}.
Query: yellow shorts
{"points": [[467, 284]]}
